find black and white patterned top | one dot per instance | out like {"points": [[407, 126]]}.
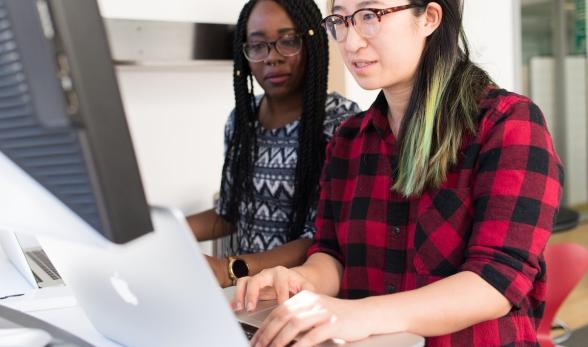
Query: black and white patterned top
{"points": [[273, 179]]}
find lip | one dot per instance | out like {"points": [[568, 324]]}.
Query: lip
{"points": [[361, 65], [277, 78]]}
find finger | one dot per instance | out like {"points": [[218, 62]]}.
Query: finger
{"points": [[313, 337], [238, 298], [273, 323], [298, 324], [254, 285], [282, 288]]}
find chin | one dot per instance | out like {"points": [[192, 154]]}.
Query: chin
{"points": [[277, 92], [368, 84]]}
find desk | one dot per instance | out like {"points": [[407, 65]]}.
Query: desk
{"points": [[56, 305]]}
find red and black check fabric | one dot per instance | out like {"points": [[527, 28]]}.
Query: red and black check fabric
{"points": [[492, 216]]}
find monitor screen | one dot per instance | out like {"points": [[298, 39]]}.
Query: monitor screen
{"points": [[61, 117]]}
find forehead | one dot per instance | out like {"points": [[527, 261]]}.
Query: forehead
{"points": [[269, 18], [352, 5]]}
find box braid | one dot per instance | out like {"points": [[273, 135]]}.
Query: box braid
{"points": [[242, 148]]}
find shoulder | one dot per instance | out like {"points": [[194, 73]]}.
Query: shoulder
{"points": [[230, 123], [499, 105], [339, 106], [500, 108], [337, 110]]}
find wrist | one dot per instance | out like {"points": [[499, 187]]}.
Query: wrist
{"points": [[224, 273], [386, 312], [236, 268]]}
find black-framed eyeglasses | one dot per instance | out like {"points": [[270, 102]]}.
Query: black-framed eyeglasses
{"points": [[287, 45], [366, 21]]}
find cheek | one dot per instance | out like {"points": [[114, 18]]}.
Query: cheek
{"points": [[401, 56], [256, 71], [297, 65]]}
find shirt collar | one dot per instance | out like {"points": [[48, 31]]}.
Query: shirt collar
{"points": [[377, 115]]}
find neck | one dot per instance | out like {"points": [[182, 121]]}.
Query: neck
{"points": [[276, 112], [397, 98]]}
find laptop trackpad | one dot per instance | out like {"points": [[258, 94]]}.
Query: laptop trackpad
{"points": [[258, 316]]}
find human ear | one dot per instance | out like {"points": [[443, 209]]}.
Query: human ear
{"points": [[432, 17]]}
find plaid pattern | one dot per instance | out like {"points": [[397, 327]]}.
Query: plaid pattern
{"points": [[492, 216]]}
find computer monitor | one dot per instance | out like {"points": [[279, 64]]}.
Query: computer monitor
{"points": [[66, 156]]}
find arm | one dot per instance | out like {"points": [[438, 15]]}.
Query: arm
{"points": [[208, 225], [324, 273], [287, 255], [460, 301]]}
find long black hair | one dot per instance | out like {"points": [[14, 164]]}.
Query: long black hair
{"points": [[443, 108], [237, 179]]}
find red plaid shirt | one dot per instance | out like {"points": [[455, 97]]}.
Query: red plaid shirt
{"points": [[493, 215]]}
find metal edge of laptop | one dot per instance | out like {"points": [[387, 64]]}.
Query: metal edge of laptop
{"points": [[15, 255]]}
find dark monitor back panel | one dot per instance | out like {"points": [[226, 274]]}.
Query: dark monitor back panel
{"points": [[61, 117]]}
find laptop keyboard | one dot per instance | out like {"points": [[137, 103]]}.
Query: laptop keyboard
{"points": [[41, 259], [248, 329]]}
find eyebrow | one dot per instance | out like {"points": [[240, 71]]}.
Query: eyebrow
{"points": [[280, 32], [362, 4]]}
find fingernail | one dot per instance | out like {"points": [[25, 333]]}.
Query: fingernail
{"points": [[249, 306], [238, 306]]}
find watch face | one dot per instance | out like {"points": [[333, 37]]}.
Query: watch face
{"points": [[240, 268]]}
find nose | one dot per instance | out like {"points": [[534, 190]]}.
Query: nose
{"points": [[353, 42], [273, 57]]}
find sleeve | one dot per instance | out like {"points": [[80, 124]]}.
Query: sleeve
{"points": [[354, 109], [338, 109], [325, 240], [221, 207], [516, 194]]}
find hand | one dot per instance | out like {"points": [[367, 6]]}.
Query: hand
{"points": [[277, 283], [220, 269], [311, 319]]}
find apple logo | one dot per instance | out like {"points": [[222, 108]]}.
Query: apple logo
{"points": [[122, 289]]}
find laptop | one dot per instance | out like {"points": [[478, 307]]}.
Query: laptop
{"points": [[29, 259], [158, 290]]}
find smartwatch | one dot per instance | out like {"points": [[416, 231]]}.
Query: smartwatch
{"points": [[237, 268]]}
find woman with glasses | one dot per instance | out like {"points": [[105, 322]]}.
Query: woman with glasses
{"points": [[435, 204], [275, 142]]}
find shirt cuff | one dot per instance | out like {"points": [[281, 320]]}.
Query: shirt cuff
{"points": [[318, 248], [511, 283]]}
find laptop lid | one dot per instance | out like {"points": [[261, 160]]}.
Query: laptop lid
{"points": [[15, 255], [156, 290]]}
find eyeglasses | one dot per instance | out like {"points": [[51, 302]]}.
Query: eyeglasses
{"points": [[287, 46], [366, 22]]}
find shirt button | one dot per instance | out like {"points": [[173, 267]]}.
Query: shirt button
{"points": [[396, 231], [390, 288]]}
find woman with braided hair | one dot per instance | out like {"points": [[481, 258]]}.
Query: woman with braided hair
{"points": [[435, 204], [274, 143]]}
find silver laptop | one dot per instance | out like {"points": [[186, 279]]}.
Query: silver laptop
{"points": [[29, 259], [159, 291]]}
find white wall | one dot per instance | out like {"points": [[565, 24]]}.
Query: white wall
{"points": [[177, 113], [493, 29]]}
